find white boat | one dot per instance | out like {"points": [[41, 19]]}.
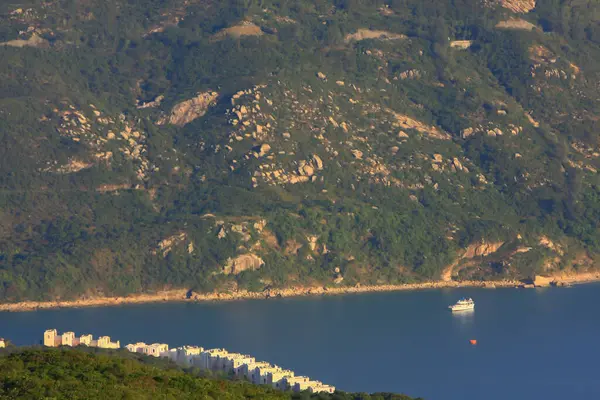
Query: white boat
{"points": [[463, 304]]}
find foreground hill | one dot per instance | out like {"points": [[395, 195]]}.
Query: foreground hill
{"points": [[217, 145], [83, 374]]}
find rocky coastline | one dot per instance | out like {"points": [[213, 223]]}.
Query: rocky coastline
{"points": [[183, 295]]}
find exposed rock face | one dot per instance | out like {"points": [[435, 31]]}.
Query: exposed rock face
{"points": [[518, 6], [154, 103], [457, 164], [363, 34], [260, 225], [306, 170], [541, 281], [246, 28], [410, 74], [461, 44], [474, 250], [318, 163], [33, 41], [262, 150], [541, 54], [187, 111], [406, 122], [166, 245], [106, 188], [357, 154], [531, 120], [243, 263], [72, 166], [549, 244], [482, 249], [516, 23]]}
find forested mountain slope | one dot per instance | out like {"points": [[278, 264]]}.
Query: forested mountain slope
{"points": [[215, 145]]}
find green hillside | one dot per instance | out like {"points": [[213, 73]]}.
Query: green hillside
{"points": [[216, 145], [82, 374]]}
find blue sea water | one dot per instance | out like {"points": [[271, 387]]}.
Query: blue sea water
{"points": [[531, 344]]}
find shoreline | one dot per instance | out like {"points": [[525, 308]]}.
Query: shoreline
{"points": [[180, 295]]}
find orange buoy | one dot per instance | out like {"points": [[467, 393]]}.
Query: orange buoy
{"points": [[473, 341]]}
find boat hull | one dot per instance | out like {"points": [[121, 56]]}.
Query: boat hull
{"points": [[462, 308]]}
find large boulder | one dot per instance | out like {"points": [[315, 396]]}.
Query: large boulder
{"points": [[541, 281], [262, 149], [187, 111]]}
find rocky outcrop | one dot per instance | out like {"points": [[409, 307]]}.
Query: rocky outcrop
{"points": [[517, 24], [166, 245], [410, 74], [245, 28], [461, 44], [241, 263], [363, 34], [262, 150], [107, 188], [151, 104], [518, 6], [33, 41], [481, 249], [549, 244], [187, 111], [317, 162], [406, 122], [541, 54], [73, 166], [542, 281], [357, 154]]}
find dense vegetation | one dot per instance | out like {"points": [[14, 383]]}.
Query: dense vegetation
{"points": [[101, 197], [84, 374]]}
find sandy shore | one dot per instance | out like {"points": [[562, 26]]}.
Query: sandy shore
{"points": [[181, 294]]}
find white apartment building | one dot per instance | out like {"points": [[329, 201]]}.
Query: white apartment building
{"points": [[68, 339], [275, 378], [289, 382], [136, 347], [104, 342], [185, 355], [211, 359], [87, 340], [157, 350], [51, 338]]}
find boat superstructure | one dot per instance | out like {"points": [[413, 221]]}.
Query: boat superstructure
{"points": [[463, 304]]}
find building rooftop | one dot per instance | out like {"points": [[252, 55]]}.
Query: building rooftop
{"points": [[216, 351]]}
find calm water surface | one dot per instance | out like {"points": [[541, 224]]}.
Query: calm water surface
{"points": [[532, 344]]}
